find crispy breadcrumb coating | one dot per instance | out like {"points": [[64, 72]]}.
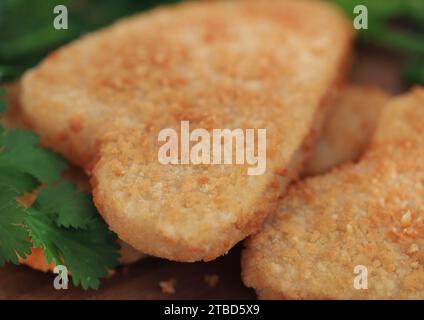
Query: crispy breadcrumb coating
{"points": [[369, 214]]}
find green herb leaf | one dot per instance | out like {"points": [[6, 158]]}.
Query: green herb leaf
{"points": [[61, 221], [21, 152], [17, 181], [68, 207], [13, 236], [88, 253]]}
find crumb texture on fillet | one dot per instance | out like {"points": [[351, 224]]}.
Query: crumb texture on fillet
{"points": [[369, 214], [226, 64], [348, 128]]}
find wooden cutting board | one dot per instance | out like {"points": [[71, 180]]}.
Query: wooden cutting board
{"points": [[142, 280]]}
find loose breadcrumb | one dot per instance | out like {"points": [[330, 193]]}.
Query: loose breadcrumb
{"points": [[211, 280], [169, 286]]}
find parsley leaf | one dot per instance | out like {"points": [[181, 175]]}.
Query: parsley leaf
{"points": [[18, 181], [88, 253], [21, 152], [69, 207], [61, 221], [13, 237]]}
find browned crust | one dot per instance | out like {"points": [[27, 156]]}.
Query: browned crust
{"points": [[270, 198], [367, 214]]}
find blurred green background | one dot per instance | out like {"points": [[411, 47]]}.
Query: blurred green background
{"points": [[27, 33]]}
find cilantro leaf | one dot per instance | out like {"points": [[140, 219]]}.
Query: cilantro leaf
{"points": [[87, 253], [61, 221], [20, 151], [69, 207], [13, 237], [18, 181]]}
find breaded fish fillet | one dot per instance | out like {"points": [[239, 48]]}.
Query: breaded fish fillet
{"points": [[348, 128], [220, 64], [369, 215]]}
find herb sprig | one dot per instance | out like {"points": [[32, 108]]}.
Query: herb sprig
{"points": [[61, 221]]}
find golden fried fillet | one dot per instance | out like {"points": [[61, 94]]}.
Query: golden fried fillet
{"points": [[370, 214], [219, 64], [347, 129]]}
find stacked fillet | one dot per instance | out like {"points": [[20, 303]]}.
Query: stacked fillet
{"points": [[369, 214]]}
